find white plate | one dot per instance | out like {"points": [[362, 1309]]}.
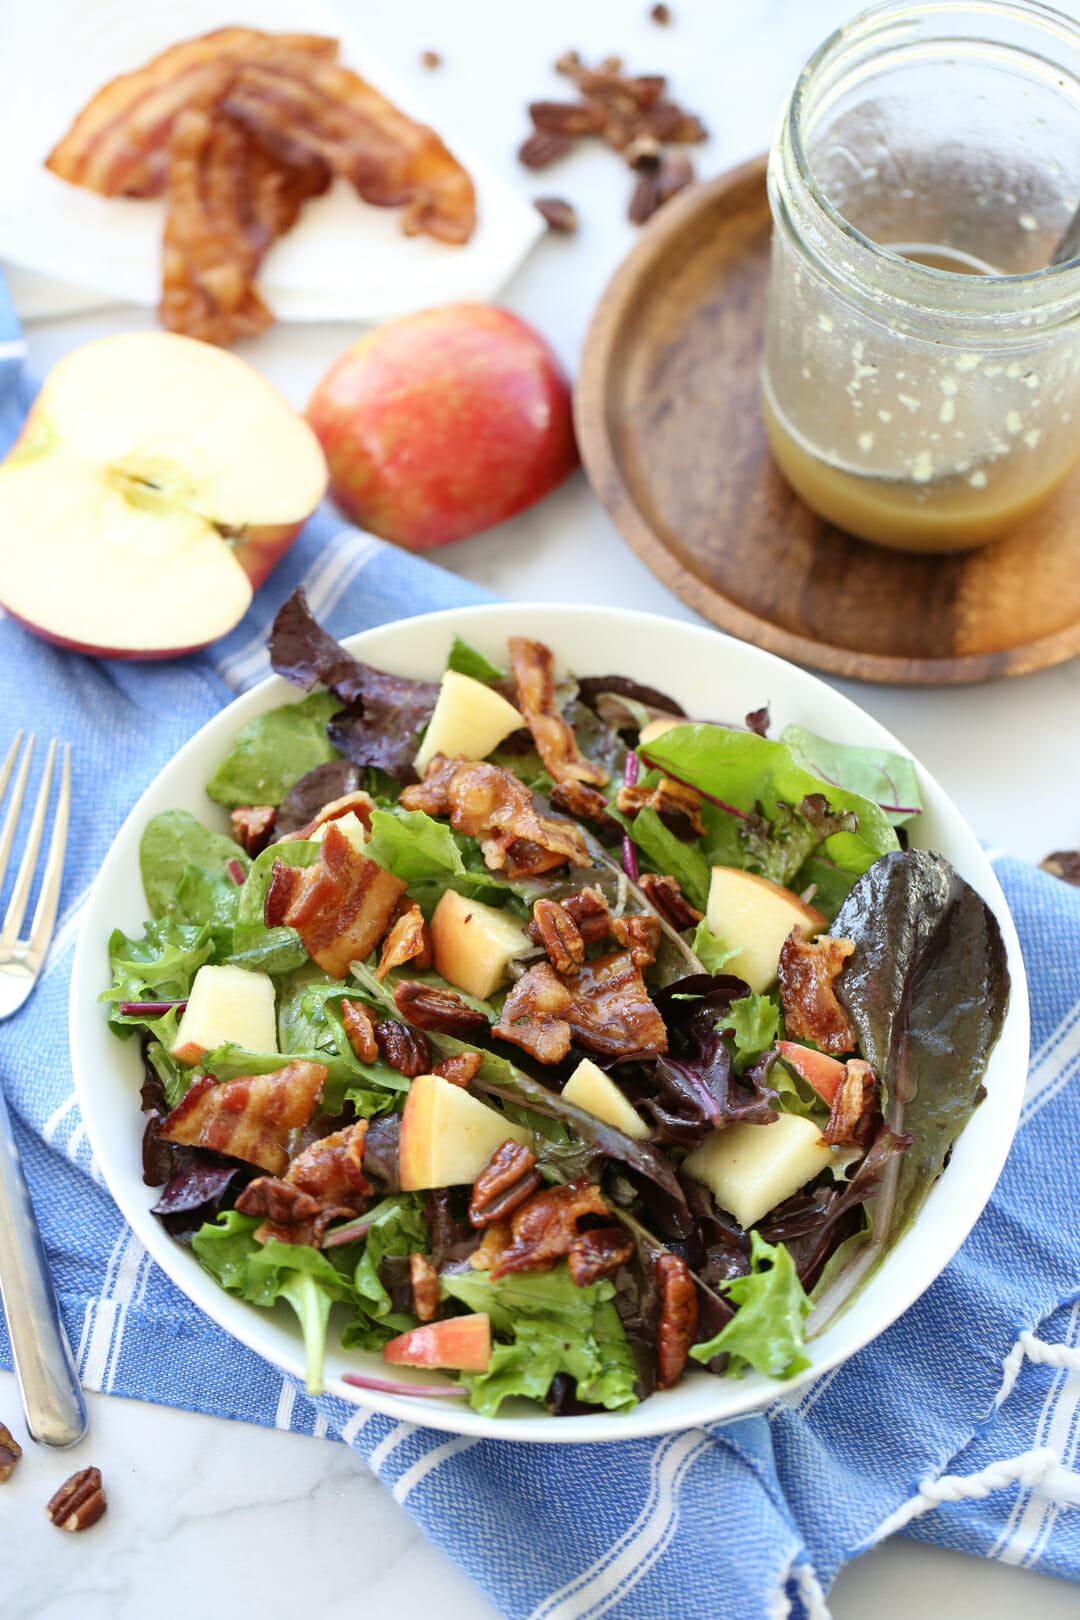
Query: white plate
{"points": [[710, 674]]}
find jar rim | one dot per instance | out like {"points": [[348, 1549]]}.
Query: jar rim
{"points": [[1055, 279]]}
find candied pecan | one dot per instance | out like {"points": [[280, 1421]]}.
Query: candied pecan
{"points": [[854, 1110], [582, 800], [677, 805], [543, 147], [1064, 864], [678, 1317], [661, 15], [545, 1228], [568, 117], [407, 941], [644, 199], [556, 744], [79, 1502], [432, 1007], [665, 893], [641, 936], [460, 1068], [808, 970], [560, 215], [506, 1181], [360, 1028], [277, 1201], [598, 1252], [252, 825], [425, 1287], [405, 1049], [606, 1008], [590, 911], [10, 1452], [494, 806], [560, 936], [675, 173]]}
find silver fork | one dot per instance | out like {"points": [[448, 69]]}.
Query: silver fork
{"points": [[51, 1397]]}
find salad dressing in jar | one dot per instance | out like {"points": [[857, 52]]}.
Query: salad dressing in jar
{"points": [[921, 374]]}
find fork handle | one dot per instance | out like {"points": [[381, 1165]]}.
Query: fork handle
{"points": [[49, 1386]]}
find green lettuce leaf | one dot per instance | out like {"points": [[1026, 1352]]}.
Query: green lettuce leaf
{"points": [[767, 1330], [779, 847], [412, 845], [273, 950], [888, 779], [396, 1226], [466, 660], [668, 854], [273, 751], [754, 1023], [186, 872], [710, 951], [158, 967]]}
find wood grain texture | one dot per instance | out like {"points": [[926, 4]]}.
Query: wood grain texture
{"points": [[670, 430]]}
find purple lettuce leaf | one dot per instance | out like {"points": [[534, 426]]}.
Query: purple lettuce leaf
{"points": [[698, 1090], [316, 788]]}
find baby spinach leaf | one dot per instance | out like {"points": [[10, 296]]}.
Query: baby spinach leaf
{"points": [[767, 1331], [186, 870], [273, 751], [412, 845], [466, 660], [273, 950], [878, 774]]}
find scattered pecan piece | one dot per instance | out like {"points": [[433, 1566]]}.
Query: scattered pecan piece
{"points": [[460, 1068], [324, 1183], [360, 1028], [675, 173], [598, 1252], [568, 117], [432, 1007], [430, 59], [543, 148], [545, 1227], [506, 1181], [560, 936], [665, 893], [645, 198], [252, 825], [407, 941], [853, 1114], [661, 15], [808, 972], [589, 910], [568, 63], [606, 1008], [641, 936], [10, 1452], [79, 1502], [678, 1317], [560, 215], [425, 1287], [405, 1049], [1064, 864]]}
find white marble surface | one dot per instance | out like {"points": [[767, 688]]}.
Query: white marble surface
{"points": [[208, 1517]]}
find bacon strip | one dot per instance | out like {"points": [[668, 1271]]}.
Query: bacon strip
{"points": [[341, 907], [605, 1008], [496, 807], [556, 744], [854, 1114], [252, 1117], [324, 1183], [808, 972], [541, 1231]]}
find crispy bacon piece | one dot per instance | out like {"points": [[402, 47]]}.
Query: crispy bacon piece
{"points": [[407, 941], [360, 1028], [324, 1183], [676, 803], [606, 1008], [495, 807], [665, 893], [360, 804], [853, 1116], [340, 907], [555, 741], [252, 1117], [118, 144], [808, 973], [544, 1229], [251, 826]]}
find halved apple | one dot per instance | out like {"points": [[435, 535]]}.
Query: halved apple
{"points": [[752, 1168], [753, 916], [226, 1004], [459, 1341], [469, 721], [447, 1136], [590, 1088], [473, 944], [826, 1074], [155, 484]]}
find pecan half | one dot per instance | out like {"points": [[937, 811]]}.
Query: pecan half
{"points": [[598, 1252], [543, 147], [645, 198], [665, 893], [360, 1028], [641, 935], [431, 1007], [10, 1452], [425, 1287], [79, 1502], [460, 1068], [252, 825], [676, 171], [506, 1181], [589, 911], [560, 215], [560, 936], [1064, 864], [405, 1049], [808, 971], [280, 1202], [661, 15], [407, 941], [678, 1317], [568, 117]]}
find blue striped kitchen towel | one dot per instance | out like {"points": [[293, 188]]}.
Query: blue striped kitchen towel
{"points": [[958, 1425]]}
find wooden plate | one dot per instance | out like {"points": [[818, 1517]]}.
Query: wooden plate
{"points": [[670, 430]]}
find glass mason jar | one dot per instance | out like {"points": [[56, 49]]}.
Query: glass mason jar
{"points": [[921, 373]]}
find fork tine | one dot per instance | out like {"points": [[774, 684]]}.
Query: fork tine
{"points": [[45, 910], [24, 881], [5, 769], [11, 820]]}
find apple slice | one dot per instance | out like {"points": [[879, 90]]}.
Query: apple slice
{"points": [[472, 945], [155, 484], [751, 1168], [826, 1074], [753, 916], [226, 1004], [590, 1088], [468, 722], [349, 824], [459, 1341], [447, 1136]]}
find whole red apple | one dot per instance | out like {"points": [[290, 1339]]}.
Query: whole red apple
{"points": [[444, 422]]}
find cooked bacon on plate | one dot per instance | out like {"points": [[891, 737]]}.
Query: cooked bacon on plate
{"points": [[808, 973], [324, 1183], [576, 777], [252, 1117], [341, 907], [495, 807], [605, 1008]]}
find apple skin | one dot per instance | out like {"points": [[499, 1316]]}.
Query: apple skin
{"points": [[826, 1074], [443, 423], [463, 1342]]}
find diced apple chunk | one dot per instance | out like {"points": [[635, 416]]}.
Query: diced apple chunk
{"points": [[753, 916], [349, 824], [459, 1341], [447, 1136], [656, 728], [473, 945], [470, 720], [590, 1088], [751, 1168], [227, 1004], [826, 1074]]}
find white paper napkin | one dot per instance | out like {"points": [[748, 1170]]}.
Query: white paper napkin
{"points": [[344, 260]]}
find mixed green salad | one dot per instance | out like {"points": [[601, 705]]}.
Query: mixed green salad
{"points": [[528, 1029]]}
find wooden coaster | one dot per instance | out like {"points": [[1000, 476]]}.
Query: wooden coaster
{"points": [[670, 429]]}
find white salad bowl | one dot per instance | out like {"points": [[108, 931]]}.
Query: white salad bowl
{"points": [[713, 677]]}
